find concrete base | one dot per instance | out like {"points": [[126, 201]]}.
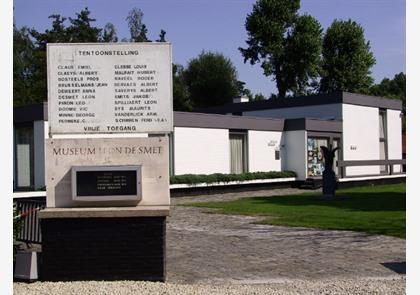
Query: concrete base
{"points": [[356, 182], [103, 248], [26, 266]]}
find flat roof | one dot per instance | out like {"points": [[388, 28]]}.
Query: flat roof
{"points": [[39, 112], [200, 120], [308, 100]]}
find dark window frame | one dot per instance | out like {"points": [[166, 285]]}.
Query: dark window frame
{"points": [[245, 149], [330, 136], [31, 186], [384, 139]]}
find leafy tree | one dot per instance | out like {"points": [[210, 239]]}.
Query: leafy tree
{"points": [[81, 29], [23, 67], [30, 72], [303, 54], [162, 36], [392, 88], [138, 30], [287, 45], [181, 100], [244, 91], [58, 33], [211, 80], [347, 58], [259, 97], [109, 33]]}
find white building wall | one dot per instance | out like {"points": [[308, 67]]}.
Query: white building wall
{"points": [[262, 146], [325, 111], [293, 148], [394, 129], [360, 137], [201, 150], [40, 134]]}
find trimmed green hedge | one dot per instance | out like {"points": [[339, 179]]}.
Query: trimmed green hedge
{"points": [[220, 177]]}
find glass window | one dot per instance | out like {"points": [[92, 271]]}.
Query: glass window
{"points": [[381, 125], [383, 155], [24, 138], [336, 143], [315, 156]]}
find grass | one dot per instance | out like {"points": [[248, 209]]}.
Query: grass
{"points": [[370, 209]]}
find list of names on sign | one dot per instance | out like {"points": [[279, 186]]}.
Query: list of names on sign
{"points": [[110, 88]]}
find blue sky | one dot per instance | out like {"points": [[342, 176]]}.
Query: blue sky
{"points": [[218, 25]]}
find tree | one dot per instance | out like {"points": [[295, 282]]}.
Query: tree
{"points": [[287, 45], [57, 34], [347, 58], [394, 88], [81, 29], [240, 85], [303, 55], [23, 67], [162, 36], [30, 71], [181, 100], [109, 33], [211, 80], [259, 97], [138, 30]]}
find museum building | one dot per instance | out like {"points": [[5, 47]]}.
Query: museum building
{"points": [[242, 136]]}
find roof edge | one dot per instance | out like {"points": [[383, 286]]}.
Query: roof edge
{"points": [[371, 101]]}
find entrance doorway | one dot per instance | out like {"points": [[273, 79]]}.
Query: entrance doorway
{"points": [[238, 152]]}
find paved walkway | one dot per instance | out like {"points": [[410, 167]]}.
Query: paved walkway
{"points": [[203, 247], [211, 253]]}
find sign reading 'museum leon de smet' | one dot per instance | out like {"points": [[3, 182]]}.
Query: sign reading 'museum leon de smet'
{"points": [[110, 88], [83, 172]]}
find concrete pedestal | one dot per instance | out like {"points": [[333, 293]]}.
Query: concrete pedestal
{"points": [[26, 266], [103, 244]]}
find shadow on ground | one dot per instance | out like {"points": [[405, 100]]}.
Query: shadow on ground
{"points": [[370, 201], [398, 267]]}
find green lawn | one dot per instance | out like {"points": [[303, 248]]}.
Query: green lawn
{"points": [[370, 209]]}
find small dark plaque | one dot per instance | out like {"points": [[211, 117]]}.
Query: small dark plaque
{"points": [[106, 183]]}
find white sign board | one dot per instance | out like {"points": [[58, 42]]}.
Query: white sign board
{"points": [[109, 88]]}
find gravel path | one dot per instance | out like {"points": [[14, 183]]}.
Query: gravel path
{"points": [[211, 253], [353, 287]]}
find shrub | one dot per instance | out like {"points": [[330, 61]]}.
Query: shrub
{"points": [[17, 226], [220, 177]]}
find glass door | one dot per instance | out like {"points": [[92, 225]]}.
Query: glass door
{"points": [[238, 156], [315, 157]]}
